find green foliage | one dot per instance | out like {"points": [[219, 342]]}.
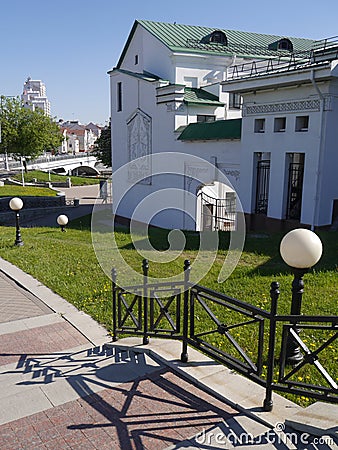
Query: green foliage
{"points": [[103, 147], [25, 132]]}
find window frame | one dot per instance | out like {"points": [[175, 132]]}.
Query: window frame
{"points": [[233, 103], [205, 117], [302, 124], [282, 122], [119, 96], [257, 127]]}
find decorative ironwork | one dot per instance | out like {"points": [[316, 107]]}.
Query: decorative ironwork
{"points": [[285, 62], [211, 321], [310, 358], [295, 190], [244, 314], [262, 186], [218, 214], [301, 105], [172, 305]]}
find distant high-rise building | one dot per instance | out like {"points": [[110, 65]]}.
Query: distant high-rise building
{"points": [[34, 96]]}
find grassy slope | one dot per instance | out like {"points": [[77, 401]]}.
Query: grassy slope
{"points": [[44, 177], [20, 191], [66, 262]]}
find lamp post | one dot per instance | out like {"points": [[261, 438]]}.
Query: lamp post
{"points": [[62, 220], [16, 204], [300, 249]]}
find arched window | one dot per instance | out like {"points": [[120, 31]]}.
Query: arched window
{"points": [[285, 44], [218, 37]]}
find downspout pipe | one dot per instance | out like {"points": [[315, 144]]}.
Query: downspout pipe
{"points": [[321, 149]]}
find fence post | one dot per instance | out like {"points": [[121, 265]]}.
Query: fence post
{"points": [[145, 267], [274, 294], [113, 278], [184, 354]]}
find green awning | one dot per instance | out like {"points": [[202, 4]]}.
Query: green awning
{"points": [[211, 131]]}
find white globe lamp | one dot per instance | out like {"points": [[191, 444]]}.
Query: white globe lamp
{"points": [[300, 249], [62, 220], [16, 205]]}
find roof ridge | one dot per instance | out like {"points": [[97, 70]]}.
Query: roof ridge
{"points": [[144, 21]]}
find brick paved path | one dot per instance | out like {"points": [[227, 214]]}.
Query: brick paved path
{"points": [[16, 303], [151, 412], [60, 392], [47, 339]]}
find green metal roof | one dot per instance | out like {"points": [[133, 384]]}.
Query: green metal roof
{"points": [[190, 37], [210, 131], [194, 39], [146, 76], [201, 97]]}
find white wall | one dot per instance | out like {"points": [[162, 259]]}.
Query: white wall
{"points": [[316, 206]]}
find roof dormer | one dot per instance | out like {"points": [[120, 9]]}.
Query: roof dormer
{"points": [[218, 37], [283, 44]]}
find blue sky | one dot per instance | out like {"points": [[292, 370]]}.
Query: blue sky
{"points": [[70, 45]]}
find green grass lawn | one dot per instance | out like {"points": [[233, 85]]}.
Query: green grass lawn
{"points": [[45, 177], [66, 263], [21, 191]]}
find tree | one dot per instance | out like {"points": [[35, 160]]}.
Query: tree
{"points": [[25, 132], [103, 146]]}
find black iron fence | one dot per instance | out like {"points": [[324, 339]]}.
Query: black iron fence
{"points": [[218, 214], [248, 339]]}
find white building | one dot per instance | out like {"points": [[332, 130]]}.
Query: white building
{"points": [[179, 88], [78, 137], [289, 155], [34, 96]]}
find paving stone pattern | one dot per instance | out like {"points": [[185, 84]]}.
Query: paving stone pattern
{"points": [[15, 303], [47, 339], [151, 413]]}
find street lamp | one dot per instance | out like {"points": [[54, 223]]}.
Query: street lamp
{"points": [[62, 220], [16, 204], [300, 249]]}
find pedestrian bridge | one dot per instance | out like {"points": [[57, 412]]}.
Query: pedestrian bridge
{"points": [[80, 164]]}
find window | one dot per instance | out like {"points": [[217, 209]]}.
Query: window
{"points": [[302, 123], [136, 60], [235, 101], [285, 44], [259, 125], [218, 37], [280, 124], [119, 96], [205, 118]]}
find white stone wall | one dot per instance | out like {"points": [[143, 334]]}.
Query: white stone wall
{"points": [[317, 144]]}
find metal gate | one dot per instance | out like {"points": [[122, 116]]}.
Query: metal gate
{"points": [[262, 186], [295, 190], [218, 214]]}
